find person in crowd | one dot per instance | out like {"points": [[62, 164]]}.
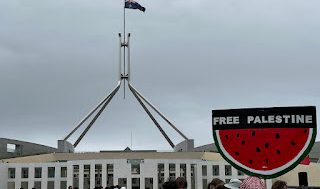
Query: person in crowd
{"points": [[169, 185], [181, 183], [279, 184], [233, 184], [213, 184], [70, 187], [221, 186], [252, 183]]}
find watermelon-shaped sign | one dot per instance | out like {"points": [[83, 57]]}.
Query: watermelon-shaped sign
{"points": [[265, 142]]}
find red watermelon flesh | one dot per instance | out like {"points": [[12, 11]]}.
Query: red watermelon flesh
{"points": [[264, 149]]}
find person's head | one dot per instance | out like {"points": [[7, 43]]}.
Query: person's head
{"points": [[279, 184], [213, 184], [221, 186], [233, 184], [181, 182], [252, 183], [169, 185], [70, 187]]}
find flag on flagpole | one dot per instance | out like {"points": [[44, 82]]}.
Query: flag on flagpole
{"points": [[131, 4], [306, 161]]}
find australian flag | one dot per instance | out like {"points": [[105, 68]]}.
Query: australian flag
{"points": [[131, 4]]}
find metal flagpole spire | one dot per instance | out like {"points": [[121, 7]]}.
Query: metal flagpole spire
{"points": [[124, 49], [124, 74]]}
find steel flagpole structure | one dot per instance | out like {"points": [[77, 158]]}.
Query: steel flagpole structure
{"points": [[124, 75]]}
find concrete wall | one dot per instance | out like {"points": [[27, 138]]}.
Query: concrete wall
{"points": [[185, 146], [23, 148], [3, 176]]}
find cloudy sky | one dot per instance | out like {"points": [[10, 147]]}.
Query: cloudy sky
{"points": [[60, 58]]}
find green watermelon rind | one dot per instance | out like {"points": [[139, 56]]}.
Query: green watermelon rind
{"points": [[274, 175]]}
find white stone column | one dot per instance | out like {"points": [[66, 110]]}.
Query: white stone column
{"points": [[199, 176], [92, 175], [31, 177], [209, 172], [81, 174], [104, 174], [44, 176], [69, 175], [57, 176], [177, 170], [166, 171], [188, 175]]}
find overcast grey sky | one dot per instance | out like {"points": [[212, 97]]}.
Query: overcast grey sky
{"points": [[59, 59]]}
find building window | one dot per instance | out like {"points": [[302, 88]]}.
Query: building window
{"points": [[228, 170], [63, 172], [135, 168], [122, 182], [37, 172], [193, 176], [204, 183], [12, 173], [160, 174], [51, 172], [148, 183], [86, 176], [37, 184], [183, 170], [135, 183], [24, 172], [109, 175], [204, 170], [63, 184], [76, 176], [98, 174], [215, 170], [24, 185], [50, 184], [172, 171]]}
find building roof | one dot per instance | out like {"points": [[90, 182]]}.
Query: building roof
{"points": [[60, 157]]}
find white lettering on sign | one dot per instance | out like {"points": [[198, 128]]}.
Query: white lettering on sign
{"points": [[226, 120], [279, 119]]}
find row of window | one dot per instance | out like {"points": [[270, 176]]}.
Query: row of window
{"points": [[37, 172], [215, 170], [135, 169]]}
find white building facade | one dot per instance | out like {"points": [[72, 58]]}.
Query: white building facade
{"points": [[131, 170]]}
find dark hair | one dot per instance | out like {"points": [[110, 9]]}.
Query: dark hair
{"points": [[181, 182], [214, 183], [169, 185], [279, 184], [221, 186]]}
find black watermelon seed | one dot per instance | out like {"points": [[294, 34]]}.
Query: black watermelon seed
{"points": [[237, 153], [227, 137], [243, 142], [277, 135], [278, 151], [253, 133], [266, 145], [250, 161], [258, 149], [293, 143], [267, 161], [238, 135], [305, 131]]}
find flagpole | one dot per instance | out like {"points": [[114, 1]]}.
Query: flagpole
{"points": [[124, 48]]}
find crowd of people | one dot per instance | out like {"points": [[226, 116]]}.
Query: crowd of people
{"points": [[248, 183], [181, 183], [100, 187]]}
